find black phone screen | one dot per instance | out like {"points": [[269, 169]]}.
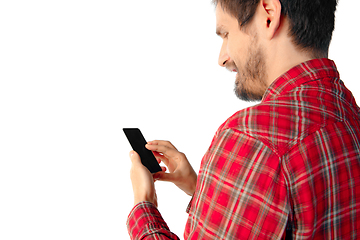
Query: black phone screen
{"points": [[138, 142]]}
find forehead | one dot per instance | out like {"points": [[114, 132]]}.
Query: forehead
{"points": [[223, 18], [220, 14]]}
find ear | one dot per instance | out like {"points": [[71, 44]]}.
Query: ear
{"points": [[273, 16]]}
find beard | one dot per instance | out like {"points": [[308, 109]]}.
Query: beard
{"points": [[250, 84]]}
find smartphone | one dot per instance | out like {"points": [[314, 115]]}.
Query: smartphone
{"points": [[138, 142]]}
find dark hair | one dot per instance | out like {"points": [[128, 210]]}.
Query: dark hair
{"points": [[311, 21]]}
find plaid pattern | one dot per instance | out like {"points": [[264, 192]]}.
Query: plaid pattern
{"points": [[292, 160], [145, 222]]}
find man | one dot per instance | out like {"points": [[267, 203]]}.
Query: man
{"points": [[288, 167]]}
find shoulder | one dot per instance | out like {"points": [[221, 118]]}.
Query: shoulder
{"points": [[277, 124]]}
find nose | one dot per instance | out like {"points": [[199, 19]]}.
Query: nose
{"points": [[224, 56]]}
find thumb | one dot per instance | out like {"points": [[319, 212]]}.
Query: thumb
{"points": [[163, 176], [135, 158]]}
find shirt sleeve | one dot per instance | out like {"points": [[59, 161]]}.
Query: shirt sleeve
{"points": [[146, 222], [189, 205], [241, 191]]}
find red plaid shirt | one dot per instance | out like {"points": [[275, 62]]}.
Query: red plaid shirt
{"points": [[291, 161]]}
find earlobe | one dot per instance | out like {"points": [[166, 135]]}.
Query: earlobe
{"points": [[273, 16]]}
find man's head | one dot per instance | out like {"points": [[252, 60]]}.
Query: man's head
{"points": [[264, 38]]}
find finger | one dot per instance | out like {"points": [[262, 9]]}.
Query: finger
{"points": [[163, 176], [161, 158], [166, 151], [163, 169], [162, 142], [136, 161], [159, 161], [158, 155]]}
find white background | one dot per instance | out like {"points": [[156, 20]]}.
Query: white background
{"points": [[73, 73]]}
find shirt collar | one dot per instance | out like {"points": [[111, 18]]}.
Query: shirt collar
{"points": [[307, 71]]}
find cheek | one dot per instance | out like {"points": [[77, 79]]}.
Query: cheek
{"points": [[238, 45], [238, 57], [236, 51]]}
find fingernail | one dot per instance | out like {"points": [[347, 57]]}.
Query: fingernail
{"points": [[131, 153]]}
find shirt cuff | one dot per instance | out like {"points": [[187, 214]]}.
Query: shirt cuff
{"points": [[145, 219]]}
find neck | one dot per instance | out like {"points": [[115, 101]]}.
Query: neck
{"points": [[283, 54], [282, 62]]}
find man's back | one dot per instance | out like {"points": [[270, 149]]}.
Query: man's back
{"points": [[293, 160]]}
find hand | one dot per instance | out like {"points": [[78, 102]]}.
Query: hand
{"points": [[181, 172], [142, 181]]}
